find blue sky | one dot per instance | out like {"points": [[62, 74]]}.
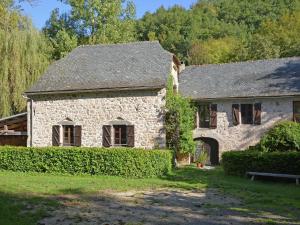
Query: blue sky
{"points": [[40, 11]]}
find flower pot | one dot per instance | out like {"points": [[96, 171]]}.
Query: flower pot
{"points": [[199, 165]]}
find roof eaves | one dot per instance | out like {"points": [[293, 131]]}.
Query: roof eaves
{"points": [[245, 97], [94, 90], [13, 116]]}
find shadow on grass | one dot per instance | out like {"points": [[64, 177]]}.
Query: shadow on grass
{"points": [[260, 197], [22, 209], [262, 202]]}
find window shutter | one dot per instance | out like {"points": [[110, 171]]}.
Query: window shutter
{"points": [[236, 114], [213, 116], [106, 142], [130, 136], [78, 136], [55, 135], [257, 113], [195, 118]]}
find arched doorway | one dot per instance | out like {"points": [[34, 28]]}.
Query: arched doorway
{"points": [[211, 146]]}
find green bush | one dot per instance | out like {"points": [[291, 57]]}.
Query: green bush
{"points": [[240, 162], [95, 161], [284, 136]]}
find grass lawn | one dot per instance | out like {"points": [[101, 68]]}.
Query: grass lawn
{"points": [[19, 191]]}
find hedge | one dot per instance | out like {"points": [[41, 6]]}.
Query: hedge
{"points": [[240, 162], [126, 162]]}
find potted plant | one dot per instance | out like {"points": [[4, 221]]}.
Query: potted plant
{"points": [[202, 158]]}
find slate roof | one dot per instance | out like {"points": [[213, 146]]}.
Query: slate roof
{"points": [[115, 66], [262, 78]]}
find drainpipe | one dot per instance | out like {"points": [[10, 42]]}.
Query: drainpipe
{"points": [[30, 119]]}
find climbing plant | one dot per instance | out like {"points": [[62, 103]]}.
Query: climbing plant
{"points": [[179, 121]]}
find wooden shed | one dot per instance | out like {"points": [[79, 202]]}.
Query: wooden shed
{"points": [[13, 130]]}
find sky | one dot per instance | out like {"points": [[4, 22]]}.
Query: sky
{"points": [[40, 11]]}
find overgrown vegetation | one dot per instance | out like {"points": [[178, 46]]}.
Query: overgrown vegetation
{"points": [[179, 121], [240, 162], [284, 136], [126, 162]]}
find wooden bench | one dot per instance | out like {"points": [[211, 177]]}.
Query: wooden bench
{"points": [[253, 174]]}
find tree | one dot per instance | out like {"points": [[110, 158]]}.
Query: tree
{"points": [[215, 51], [90, 22], [103, 21], [213, 27], [63, 43], [170, 27], [24, 54]]}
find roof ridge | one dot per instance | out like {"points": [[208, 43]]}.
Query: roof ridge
{"points": [[118, 44], [242, 62]]}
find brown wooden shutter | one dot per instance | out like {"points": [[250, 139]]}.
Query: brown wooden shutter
{"points": [[106, 142], [130, 136], [257, 113], [78, 136], [213, 116], [236, 114], [55, 135]]}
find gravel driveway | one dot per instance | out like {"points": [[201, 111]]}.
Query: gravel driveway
{"points": [[166, 207]]}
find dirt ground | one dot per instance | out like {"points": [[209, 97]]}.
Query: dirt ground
{"points": [[165, 207]]}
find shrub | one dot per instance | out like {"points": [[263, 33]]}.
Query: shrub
{"points": [[95, 161], [284, 136], [240, 162]]}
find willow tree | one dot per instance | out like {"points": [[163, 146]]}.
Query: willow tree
{"points": [[24, 55]]}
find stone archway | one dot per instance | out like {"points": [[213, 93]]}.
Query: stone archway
{"points": [[211, 146]]}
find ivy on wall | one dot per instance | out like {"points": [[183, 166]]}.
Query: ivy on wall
{"points": [[179, 121]]}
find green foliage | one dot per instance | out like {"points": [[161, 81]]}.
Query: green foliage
{"points": [[179, 121], [63, 43], [281, 36], [215, 51], [202, 158], [240, 162], [24, 55], [91, 22], [95, 161], [218, 31], [284, 136]]}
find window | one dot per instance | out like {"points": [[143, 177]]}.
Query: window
{"points": [[120, 132], [207, 114], [296, 112], [204, 116], [69, 137], [247, 113]]}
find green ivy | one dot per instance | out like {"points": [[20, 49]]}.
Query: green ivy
{"points": [[179, 121], [126, 162]]}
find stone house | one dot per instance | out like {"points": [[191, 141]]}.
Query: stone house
{"points": [[238, 102], [114, 95], [103, 95]]}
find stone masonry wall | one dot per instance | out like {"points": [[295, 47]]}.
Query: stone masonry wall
{"points": [[242, 136], [143, 109]]}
